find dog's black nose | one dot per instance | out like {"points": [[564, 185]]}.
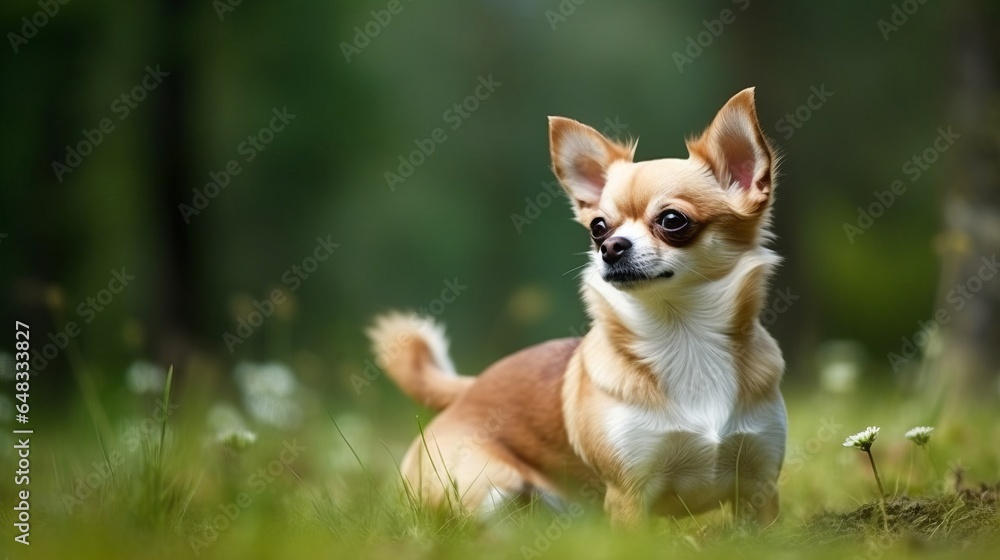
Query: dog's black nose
{"points": [[613, 249]]}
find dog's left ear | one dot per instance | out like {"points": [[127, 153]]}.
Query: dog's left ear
{"points": [[580, 159], [737, 152]]}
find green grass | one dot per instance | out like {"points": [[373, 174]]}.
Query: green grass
{"points": [[333, 490]]}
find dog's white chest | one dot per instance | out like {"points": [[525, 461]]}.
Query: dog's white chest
{"points": [[697, 373], [694, 454], [690, 447], [679, 440]]}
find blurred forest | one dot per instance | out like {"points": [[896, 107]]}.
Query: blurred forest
{"points": [[211, 149]]}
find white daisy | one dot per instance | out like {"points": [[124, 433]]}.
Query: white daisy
{"points": [[236, 439], [863, 440], [271, 378], [224, 416], [269, 393], [921, 435]]}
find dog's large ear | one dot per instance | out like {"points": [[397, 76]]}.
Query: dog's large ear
{"points": [[737, 152], [580, 159]]}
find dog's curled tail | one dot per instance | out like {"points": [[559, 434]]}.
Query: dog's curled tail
{"points": [[413, 350]]}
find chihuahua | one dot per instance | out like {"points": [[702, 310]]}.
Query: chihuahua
{"points": [[670, 404]]}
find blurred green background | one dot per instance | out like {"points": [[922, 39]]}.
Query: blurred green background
{"points": [[367, 86]]}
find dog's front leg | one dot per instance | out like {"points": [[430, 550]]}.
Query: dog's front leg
{"points": [[625, 507]]}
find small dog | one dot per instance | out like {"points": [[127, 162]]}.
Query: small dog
{"points": [[670, 404]]}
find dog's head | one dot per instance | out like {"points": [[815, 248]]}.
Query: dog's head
{"points": [[669, 221]]}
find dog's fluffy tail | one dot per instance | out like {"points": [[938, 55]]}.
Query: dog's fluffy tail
{"points": [[413, 350]]}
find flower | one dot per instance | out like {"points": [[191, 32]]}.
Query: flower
{"points": [[921, 435], [840, 365], [269, 393], [224, 416], [863, 440], [272, 378], [236, 439], [145, 377]]}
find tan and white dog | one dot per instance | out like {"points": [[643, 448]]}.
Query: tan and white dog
{"points": [[670, 403]]}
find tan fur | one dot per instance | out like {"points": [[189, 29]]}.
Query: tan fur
{"points": [[585, 398], [537, 421], [505, 432], [757, 354]]}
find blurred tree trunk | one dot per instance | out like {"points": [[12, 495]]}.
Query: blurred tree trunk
{"points": [[968, 358], [176, 291], [778, 93]]}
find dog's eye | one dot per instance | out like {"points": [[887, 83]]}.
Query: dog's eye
{"points": [[598, 228], [673, 221]]}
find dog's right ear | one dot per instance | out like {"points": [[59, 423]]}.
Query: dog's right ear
{"points": [[580, 159]]}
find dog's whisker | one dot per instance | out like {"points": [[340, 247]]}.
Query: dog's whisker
{"points": [[575, 268]]}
